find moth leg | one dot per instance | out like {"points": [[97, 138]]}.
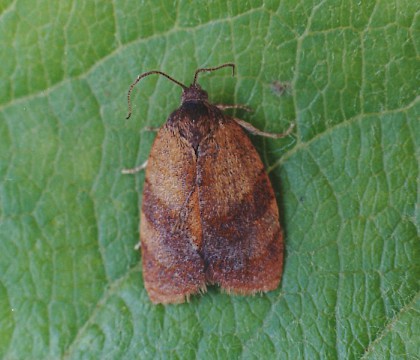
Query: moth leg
{"points": [[224, 107], [134, 170], [253, 130], [151, 128]]}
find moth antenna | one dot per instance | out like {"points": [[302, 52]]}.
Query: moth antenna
{"points": [[141, 77], [213, 69]]}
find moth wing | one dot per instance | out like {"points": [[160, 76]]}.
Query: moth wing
{"points": [[170, 228], [242, 239]]}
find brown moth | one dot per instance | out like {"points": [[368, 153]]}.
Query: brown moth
{"points": [[209, 214]]}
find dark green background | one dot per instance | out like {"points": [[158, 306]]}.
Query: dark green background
{"points": [[346, 180]]}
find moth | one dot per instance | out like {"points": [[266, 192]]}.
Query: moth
{"points": [[209, 214]]}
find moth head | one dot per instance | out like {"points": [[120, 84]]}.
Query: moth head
{"points": [[194, 92]]}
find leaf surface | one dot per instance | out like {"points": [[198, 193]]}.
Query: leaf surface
{"points": [[346, 181]]}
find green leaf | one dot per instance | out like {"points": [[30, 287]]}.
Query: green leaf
{"points": [[346, 181]]}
